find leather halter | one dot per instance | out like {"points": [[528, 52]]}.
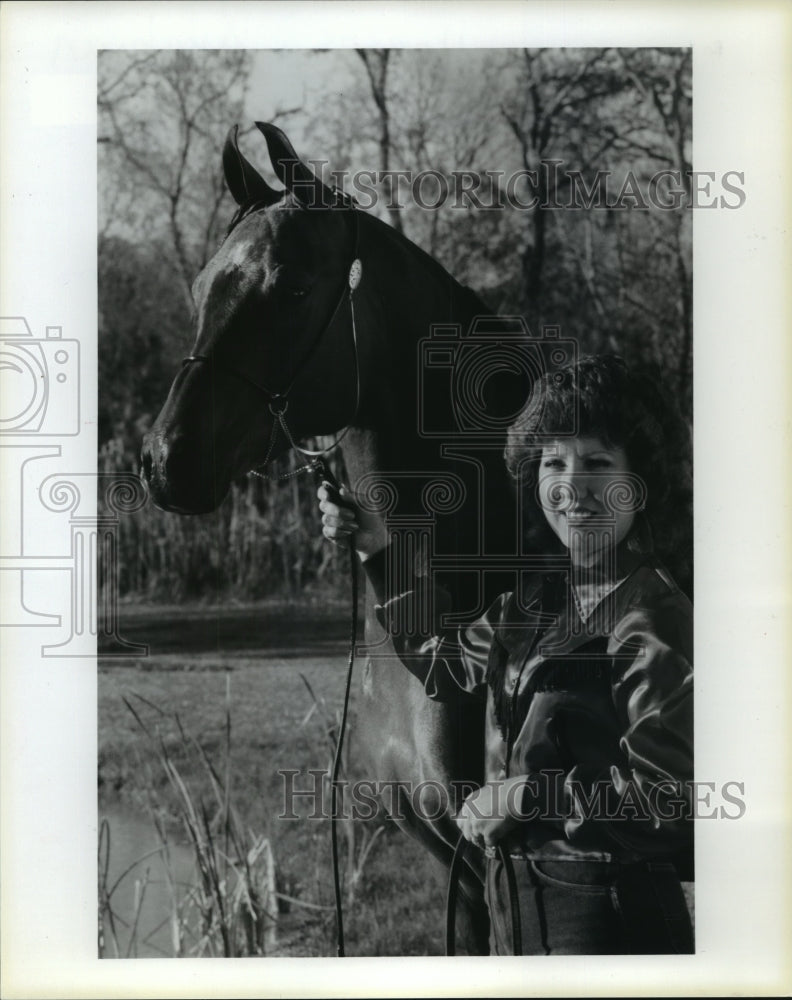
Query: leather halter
{"points": [[279, 399]]}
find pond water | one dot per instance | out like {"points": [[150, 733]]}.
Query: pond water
{"points": [[291, 632], [145, 887]]}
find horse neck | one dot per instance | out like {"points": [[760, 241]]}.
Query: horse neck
{"points": [[405, 292]]}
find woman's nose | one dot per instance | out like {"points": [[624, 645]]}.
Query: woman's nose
{"points": [[564, 490], [577, 484]]}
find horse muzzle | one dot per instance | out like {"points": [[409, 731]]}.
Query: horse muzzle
{"points": [[180, 480]]}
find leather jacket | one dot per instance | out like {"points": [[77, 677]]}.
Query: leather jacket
{"points": [[594, 703]]}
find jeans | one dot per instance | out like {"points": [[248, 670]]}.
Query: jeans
{"points": [[589, 908]]}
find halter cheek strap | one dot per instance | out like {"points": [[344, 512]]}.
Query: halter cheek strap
{"points": [[279, 403]]}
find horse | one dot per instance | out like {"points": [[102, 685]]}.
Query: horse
{"points": [[315, 318]]}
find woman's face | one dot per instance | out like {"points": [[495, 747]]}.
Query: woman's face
{"points": [[581, 483]]}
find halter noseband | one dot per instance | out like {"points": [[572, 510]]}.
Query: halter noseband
{"points": [[279, 400]]}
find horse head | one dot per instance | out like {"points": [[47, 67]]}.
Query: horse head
{"points": [[273, 335]]}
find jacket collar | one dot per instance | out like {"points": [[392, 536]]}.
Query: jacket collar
{"points": [[594, 598], [590, 585]]}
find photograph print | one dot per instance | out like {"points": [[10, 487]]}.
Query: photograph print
{"points": [[396, 359]]}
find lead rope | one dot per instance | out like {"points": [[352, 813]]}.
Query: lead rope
{"points": [[453, 892], [323, 472], [339, 747]]}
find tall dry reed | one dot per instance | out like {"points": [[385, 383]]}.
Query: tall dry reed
{"points": [[230, 908], [265, 540]]}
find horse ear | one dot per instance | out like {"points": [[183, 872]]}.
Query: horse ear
{"points": [[298, 178], [244, 182]]}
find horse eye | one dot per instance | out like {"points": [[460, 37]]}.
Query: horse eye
{"points": [[292, 291]]}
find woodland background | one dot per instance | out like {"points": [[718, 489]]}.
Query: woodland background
{"points": [[617, 280]]}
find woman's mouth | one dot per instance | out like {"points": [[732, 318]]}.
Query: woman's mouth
{"points": [[580, 514]]}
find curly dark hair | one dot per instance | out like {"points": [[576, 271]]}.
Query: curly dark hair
{"points": [[599, 396]]}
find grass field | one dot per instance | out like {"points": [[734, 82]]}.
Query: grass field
{"points": [[261, 658]]}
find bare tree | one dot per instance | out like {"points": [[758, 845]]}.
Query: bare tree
{"points": [[376, 62], [163, 117], [663, 78], [619, 279], [553, 89]]}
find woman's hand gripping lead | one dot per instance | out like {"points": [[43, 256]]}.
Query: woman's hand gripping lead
{"points": [[343, 519]]}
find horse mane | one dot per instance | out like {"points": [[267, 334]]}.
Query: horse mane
{"points": [[464, 294]]}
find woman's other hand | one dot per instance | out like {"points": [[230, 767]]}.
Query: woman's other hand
{"points": [[493, 810]]}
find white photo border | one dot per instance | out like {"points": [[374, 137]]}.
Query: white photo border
{"points": [[742, 368]]}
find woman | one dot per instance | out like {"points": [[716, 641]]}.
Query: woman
{"points": [[585, 672]]}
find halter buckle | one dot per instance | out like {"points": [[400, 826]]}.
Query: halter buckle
{"points": [[278, 405]]}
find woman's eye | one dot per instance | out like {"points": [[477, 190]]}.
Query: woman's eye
{"points": [[599, 463], [553, 463]]}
